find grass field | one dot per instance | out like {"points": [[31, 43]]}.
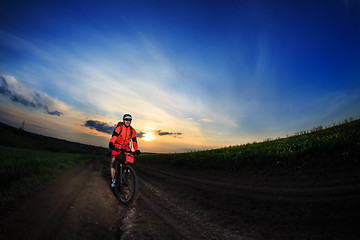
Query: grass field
{"points": [[21, 170], [334, 148], [337, 147], [28, 160]]}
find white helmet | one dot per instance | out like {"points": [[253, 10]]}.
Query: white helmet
{"points": [[127, 116]]}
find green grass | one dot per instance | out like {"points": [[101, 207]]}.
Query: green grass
{"points": [[337, 147], [22, 170]]}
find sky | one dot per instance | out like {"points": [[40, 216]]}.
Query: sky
{"points": [[194, 74]]}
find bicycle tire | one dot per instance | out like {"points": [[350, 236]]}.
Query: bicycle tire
{"points": [[127, 192]]}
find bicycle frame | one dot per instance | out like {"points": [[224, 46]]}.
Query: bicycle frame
{"points": [[126, 183], [120, 173]]}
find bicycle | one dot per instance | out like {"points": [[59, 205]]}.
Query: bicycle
{"points": [[126, 182]]}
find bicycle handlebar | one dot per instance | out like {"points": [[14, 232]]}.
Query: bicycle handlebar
{"points": [[127, 151]]}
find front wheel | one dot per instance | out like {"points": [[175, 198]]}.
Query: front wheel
{"points": [[126, 188]]}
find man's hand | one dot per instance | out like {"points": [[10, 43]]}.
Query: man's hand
{"points": [[111, 146], [137, 152]]}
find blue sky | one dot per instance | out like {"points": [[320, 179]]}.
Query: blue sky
{"points": [[194, 74]]}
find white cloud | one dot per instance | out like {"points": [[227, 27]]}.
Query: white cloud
{"points": [[206, 120], [141, 80], [19, 94]]}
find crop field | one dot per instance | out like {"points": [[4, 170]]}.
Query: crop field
{"points": [[23, 169], [336, 147]]}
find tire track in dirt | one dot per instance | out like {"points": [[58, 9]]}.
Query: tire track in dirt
{"points": [[160, 214], [326, 193], [253, 211], [181, 204], [185, 216], [77, 205], [177, 206]]}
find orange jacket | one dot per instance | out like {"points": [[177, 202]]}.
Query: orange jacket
{"points": [[121, 137]]}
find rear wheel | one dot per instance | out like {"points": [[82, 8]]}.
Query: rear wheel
{"points": [[126, 190]]}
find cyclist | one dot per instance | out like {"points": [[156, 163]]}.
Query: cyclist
{"points": [[121, 137]]}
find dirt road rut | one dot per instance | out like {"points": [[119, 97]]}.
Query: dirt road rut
{"points": [[177, 203]]}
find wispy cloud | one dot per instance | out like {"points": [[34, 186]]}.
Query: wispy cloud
{"points": [[39, 49], [16, 92], [206, 120], [104, 85], [208, 92]]}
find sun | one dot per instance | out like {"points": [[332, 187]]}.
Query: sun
{"points": [[148, 136]]}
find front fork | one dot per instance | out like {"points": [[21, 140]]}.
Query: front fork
{"points": [[119, 175], [119, 178]]}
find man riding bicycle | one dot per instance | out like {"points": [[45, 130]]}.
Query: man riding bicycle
{"points": [[121, 137]]}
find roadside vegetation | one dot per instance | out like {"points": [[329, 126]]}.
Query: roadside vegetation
{"points": [[29, 160], [21, 170], [321, 149]]}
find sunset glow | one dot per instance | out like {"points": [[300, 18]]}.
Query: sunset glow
{"points": [[149, 136], [193, 74]]}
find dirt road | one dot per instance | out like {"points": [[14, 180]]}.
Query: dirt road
{"points": [[177, 203]]}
